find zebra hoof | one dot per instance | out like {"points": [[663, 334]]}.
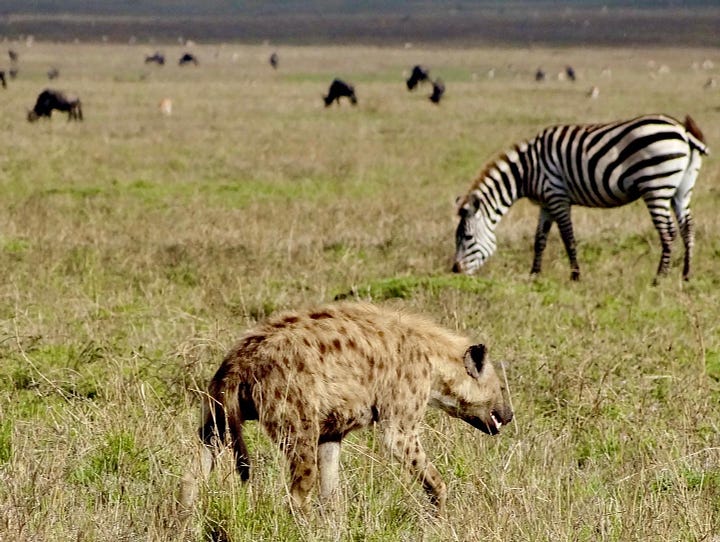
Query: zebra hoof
{"points": [[575, 275]]}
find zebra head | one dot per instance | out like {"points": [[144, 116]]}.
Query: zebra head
{"points": [[474, 237]]}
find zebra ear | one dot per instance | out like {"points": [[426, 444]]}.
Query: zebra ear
{"points": [[467, 204]]}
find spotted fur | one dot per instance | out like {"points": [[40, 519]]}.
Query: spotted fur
{"points": [[310, 377]]}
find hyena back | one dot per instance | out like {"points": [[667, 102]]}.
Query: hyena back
{"points": [[311, 377]]}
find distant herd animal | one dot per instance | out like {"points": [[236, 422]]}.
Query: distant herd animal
{"points": [[418, 75], [156, 58], [188, 58], [340, 89], [48, 100], [421, 74]]}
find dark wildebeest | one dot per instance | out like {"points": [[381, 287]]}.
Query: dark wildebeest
{"points": [[188, 58], [438, 91], [12, 72], [274, 59], [156, 58], [54, 99], [339, 89], [2, 79], [418, 75], [13, 55], [53, 73], [539, 75], [570, 72]]}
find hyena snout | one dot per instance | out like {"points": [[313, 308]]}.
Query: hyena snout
{"points": [[487, 405], [492, 420]]}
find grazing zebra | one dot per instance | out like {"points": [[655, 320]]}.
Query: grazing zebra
{"points": [[653, 157]]}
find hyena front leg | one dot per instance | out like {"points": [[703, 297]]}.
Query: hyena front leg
{"points": [[405, 446], [329, 467]]}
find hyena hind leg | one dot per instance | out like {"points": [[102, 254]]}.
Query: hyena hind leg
{"points": [[199, 471], [303, 472]]}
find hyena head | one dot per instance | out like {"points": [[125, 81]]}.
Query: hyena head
{"points": [[476, 396], [474, 237]]}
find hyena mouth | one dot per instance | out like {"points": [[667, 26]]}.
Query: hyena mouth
{"points": [[491, 426]]}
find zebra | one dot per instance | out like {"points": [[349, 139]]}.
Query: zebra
{"points": [[653, 157]]}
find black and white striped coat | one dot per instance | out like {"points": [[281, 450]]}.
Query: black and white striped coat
{"points": [[653, 157]]}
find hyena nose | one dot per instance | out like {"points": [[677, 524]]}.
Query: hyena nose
{"points": [[457, 267], [507, 415]]}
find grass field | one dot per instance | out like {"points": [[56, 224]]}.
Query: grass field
{"points": [[135, 248]]}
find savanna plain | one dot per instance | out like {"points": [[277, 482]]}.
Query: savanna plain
{"points": [[136, 247]]}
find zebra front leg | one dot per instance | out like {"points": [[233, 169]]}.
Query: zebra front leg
{"points": [[561, 214], [545, 222]]}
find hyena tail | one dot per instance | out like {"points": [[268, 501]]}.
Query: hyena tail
{"points": [[222, 411]]}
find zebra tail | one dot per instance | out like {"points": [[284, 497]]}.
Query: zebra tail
{"points": [[697, 139]]}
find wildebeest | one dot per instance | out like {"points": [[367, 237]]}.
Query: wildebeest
{"points": [[438, 91], [539, 75], [157, 58], [188, 58], [418, 75], [12, 72], [53, 73], [54, 99], [13, 55], [274, 60], [2, 79], [338, 89], [570, 72]]}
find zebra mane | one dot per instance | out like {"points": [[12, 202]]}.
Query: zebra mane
{"points": [[489, 166]]}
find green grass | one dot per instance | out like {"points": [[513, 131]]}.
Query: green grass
{"points": [[135, 249]]}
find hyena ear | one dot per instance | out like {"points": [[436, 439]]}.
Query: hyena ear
{"points": [[474, 360]]}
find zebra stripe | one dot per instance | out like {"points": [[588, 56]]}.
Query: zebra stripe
{"points": [[653, 157]]}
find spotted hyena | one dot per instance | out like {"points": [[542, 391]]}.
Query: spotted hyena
{"points": [[311, 377]]}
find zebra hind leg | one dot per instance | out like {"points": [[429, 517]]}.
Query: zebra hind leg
{"points": [[687, 231], [667, 232]]}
